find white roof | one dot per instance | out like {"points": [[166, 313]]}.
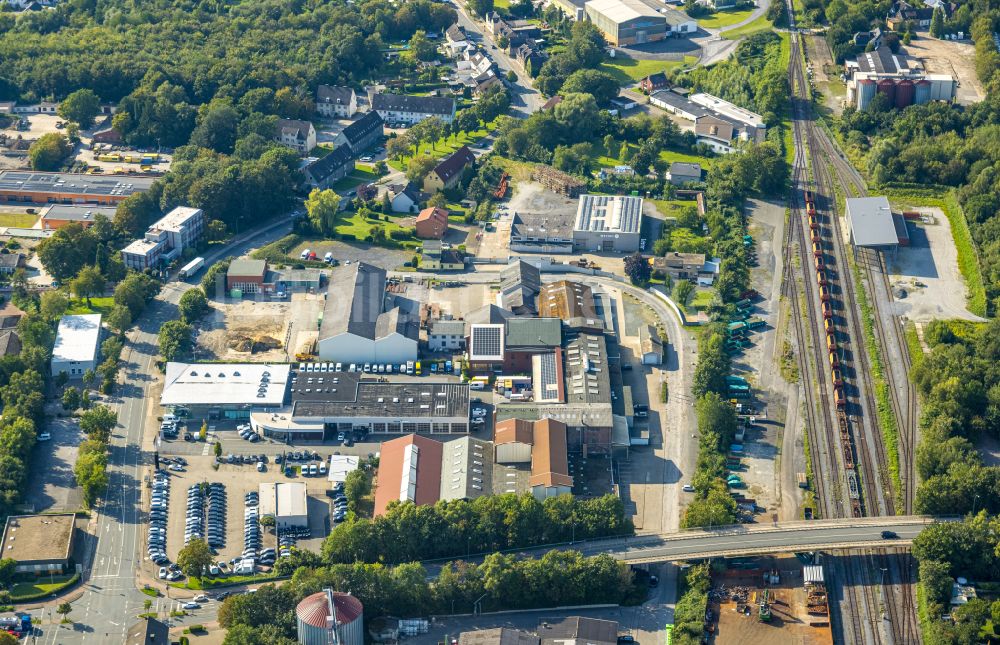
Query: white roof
{"points": [[623, 10], [725, 108], [142, 247], [256, 384], [77, 338], [341, 466], [871, 221], [175, 220], [611, 213], [283, 499]]}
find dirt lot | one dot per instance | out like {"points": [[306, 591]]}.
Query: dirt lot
{"points": [[789, 622], [233, 323], [825, 74], [927, 271], [459, 301], [239, 480], [949, 57]]}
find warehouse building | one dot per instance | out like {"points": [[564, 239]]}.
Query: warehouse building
{"points": [[541, 233], [224, 390], [871, 222], [520, 283], [608, 223], [56, 216], [286, 502], [323, 404], [627, 22], [28, 186], [40, 544], [542, 444], [78, 339], [360, 325]]}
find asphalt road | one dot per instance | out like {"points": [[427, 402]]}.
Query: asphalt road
{"points": [[111, 601]]}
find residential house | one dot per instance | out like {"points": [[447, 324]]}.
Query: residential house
{"points": [[902, 12], [436, 257], [401, 108], [456, 41], [530, 57], [863, 38], [432, 223], [335, 101], [362, 134], [10, 262], [654, 82], [681, 172], [679, 266], [551, 103], [446, 335], [450, 171], [296, 134], [403, 198], [10, 343], [326, 171]]}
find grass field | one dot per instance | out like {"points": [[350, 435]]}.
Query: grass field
{"points": [[670, 207], [721, 19], [760, 24], [609, 159], [362, 174], [443, 147], [360, 227], [44, 585], [97, 306], [18, 220], [630, 70]]}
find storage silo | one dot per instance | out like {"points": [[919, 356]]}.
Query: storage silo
{"points": [[887, 86], [866, 92], [922, 91], [904, 93], [330, 618]]}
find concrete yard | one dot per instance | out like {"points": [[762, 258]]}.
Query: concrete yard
{"points": [[927, 271], [951, 57], [459, 301]]}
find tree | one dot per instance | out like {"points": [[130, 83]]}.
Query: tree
{"points": [[89, 282], [713, 364], [421, 48], [91, 472], [418, 167], [6, 638], [98, 423], [217, 449], [54, 304], [119, 318], [438, 200], [195, 558], [322, 209], [637, 268], [203, 431], [89, 376], [134, 291], [481, 7], [71, 399], [8, 572], [937, 23], [192, 305], [398, 147], [357, 485], [215, 231], [175, 339], [601, 85], [48, 151], [81, 107], [381, 168], [64, 609], [683, 291]]}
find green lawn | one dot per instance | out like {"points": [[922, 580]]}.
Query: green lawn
{"points": [[97, 306], [672, 156], [627, 70], [18, 220], [721, 19], [444, 146], [670, 207], [610, 159], [501, 5], [363, 174], [360, 227], [760, 24], [43, 585]]}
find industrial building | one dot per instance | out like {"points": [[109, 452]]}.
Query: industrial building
{"points": [[542, 444], [579, 630], [224, 390], [28, 186], [329, 616], [360, 323], [608, 223], [719, 124], [165, 240], [498, 636], [520, 283], [872, 222], [541, 233], [627, 22], [422, 470], [900, 78], [56, 216], [571, 302], [323, 404], [286, 502], [246, 275], [78, 339], [40, 544]]}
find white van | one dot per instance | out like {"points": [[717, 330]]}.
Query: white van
{"points": [[328, 258], [475, 385], [305, 253]]}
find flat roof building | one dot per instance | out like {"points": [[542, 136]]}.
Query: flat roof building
{"points": [[608, 223], [166, 239], [40, 543], [68, 188], [58, 215], [870, 219], [497, 636], [627, 22], [579, 630], [77, 341], [727, 109], [549, 232], [286, 502], [225, 390]]}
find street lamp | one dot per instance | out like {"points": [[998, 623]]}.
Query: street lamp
{"points": [[975, 498]]}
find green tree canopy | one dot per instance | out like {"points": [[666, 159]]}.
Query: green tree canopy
{"points": [[81, 107]]}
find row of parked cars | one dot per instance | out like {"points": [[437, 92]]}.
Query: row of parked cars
{"points": [[247, 433], [339, 502], [157, 547], [206, 514], [251, 526]]}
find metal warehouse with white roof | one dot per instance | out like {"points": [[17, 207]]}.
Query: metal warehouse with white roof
{"points": [[608, 223], [229, 390], [627, 22], [77, 341], [871, 222]]}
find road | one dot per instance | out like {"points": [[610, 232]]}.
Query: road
{"points": [[111, 601], [525, 99]]}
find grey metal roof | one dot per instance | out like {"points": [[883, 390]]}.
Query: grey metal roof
{"points": [[488, 315], [466, 468], [676, 100], [685, 168], [334, 94], [614, 213], [581, 628], [419, 104], [246, 266], [72, 183], [675, 17], [448, 328], [533, 332], [73, 212], [871, 221], [353, 301], [392, 400], [587, 369], [396, 321], [574, 415]]}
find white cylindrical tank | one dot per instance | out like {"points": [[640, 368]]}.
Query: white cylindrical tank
{"points": [[330, 617]]}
